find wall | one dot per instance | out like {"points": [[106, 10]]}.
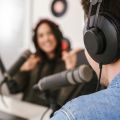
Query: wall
{"points": [[22, 15], [11, 29], [71, 23]]}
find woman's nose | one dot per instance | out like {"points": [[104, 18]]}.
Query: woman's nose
{"points": [[46, 38]]}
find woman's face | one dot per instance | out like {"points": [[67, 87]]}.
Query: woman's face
{"points": [[46, 39]]}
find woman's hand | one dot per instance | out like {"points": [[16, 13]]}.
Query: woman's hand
{"points": [[31, 63], [70, 58]]}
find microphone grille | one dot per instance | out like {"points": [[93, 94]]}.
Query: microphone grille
{"points": [[86, 73], [26, 54]]}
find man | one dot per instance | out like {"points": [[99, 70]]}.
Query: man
{"points": [[105, 104]]}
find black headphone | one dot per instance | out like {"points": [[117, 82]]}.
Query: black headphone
{"points": [[102, 36]]}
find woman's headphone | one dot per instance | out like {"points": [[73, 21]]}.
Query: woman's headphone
{"points": [[102, 36]]}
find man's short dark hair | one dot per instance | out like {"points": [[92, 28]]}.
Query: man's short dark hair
{"points": [[111, 6], [85, 4]]}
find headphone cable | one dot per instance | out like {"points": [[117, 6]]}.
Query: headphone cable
{"points": [[100, 74], [1, 93], [43, 115]]}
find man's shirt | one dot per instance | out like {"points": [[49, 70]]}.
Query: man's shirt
{"points": [[102, 105]]}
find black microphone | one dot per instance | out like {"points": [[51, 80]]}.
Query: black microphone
{"points": [[80, 75], [16, 66], [2, 67]]}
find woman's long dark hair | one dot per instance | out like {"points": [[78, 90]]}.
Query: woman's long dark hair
{"points": [[58, 35]]}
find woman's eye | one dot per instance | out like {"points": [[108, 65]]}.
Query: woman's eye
{"points": [[40, 35], [49, 33]]}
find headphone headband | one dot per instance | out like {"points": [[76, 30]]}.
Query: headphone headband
{"points": [[94, 2], [102, 36]]}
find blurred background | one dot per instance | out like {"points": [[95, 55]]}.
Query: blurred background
{"points": [[19, 17], [54, 53]]}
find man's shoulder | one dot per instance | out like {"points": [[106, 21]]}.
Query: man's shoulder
{"points": [[87, 99], [94, 106], [102, 105]]}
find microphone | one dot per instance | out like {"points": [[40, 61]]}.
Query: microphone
{"points": [[16, 66], [82, 74], [2, 67]]}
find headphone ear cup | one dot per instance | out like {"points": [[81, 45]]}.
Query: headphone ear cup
{"points": [[96, 38], [102, 42]]}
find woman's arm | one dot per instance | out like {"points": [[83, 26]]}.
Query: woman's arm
{"points": [[19, 82], [74, 58], [21, 79]]}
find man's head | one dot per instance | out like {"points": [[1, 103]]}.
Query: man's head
{"points": [[112, 7]]}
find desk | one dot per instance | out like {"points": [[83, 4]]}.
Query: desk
{"points": [[23, 109]]}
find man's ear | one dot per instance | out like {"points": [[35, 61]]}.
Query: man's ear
{"points": [[85, 17]]}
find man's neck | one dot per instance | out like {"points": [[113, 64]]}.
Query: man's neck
{"points": [[113, 70]]}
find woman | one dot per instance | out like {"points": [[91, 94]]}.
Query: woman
{"points": [[46, 61]]}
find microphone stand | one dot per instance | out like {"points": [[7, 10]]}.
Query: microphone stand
{"points": [[3, 71], [2, 67], [52, 102], [46, 95]]}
